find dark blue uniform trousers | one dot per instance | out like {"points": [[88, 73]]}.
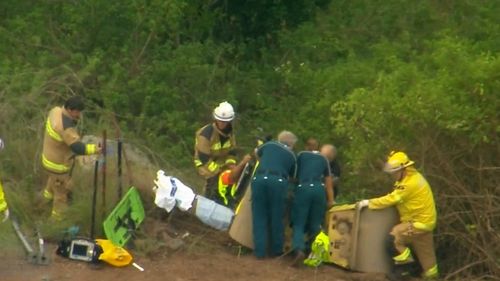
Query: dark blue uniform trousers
{"points": [[308, 211], [268, 210]]}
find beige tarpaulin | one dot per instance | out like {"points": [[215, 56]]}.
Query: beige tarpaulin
{"points": [[357, 237], [241, 228]]}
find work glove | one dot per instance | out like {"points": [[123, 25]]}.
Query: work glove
{"points": [[363, 203], [6, 214]]}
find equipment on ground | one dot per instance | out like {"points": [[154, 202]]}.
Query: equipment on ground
{"points": [[94, 251], [79, 249], [320, 250], [113, 255], [357, 237], [140, 268], [38, 258], [127, 216], [42, 258]]}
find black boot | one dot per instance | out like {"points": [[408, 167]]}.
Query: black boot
{"points": [[401, 272]]}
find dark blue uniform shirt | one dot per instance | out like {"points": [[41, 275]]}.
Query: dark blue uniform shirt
{"points": [[277, 159], [312, 167]]}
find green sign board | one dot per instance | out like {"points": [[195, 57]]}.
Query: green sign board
{"points": [[121, 223]]}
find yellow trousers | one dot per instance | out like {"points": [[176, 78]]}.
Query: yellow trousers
{"points": [[58, 189], [405, 236]]}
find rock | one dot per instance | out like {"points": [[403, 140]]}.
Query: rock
{"points": [[172, 243]]}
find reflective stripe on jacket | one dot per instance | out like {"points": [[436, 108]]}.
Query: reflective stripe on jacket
{"points": [[208, 145], [60, 133], [320, 250], [3, 203], [414, 200]]}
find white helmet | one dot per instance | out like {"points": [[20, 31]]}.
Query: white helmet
{"points": [[2, 144], [224, 112]]}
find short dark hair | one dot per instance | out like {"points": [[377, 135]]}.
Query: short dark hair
{"points": [[74, 103], [312, 144]]}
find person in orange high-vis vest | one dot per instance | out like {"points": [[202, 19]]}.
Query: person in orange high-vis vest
{"points": [[61, 144], [227, 185]]}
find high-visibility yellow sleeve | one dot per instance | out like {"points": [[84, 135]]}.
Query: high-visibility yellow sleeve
{"points": [[388, 200], [212, 166], [3, 203], [90, 149], [208, 169], [51, 132]]}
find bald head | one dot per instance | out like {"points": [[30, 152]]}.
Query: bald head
{"points": [[329, 151], [287, 138]]}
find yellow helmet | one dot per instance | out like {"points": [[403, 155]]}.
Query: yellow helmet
{"points": [[397, 161]]}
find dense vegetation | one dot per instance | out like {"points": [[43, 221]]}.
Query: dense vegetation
{"points": [[371, 76]]}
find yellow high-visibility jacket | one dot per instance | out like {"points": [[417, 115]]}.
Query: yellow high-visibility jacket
{"points": [[61, 142], [413, 199], [3, 203], [210, 153]]}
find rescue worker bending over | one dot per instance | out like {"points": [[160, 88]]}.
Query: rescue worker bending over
{"points": [[412, 196], [4, 208], [314, 190], [215, 149], [277, 164], [61, 144]]}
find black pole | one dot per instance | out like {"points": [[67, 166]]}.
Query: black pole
{"points": [[119, 170], [94, 199], [104, 154]]}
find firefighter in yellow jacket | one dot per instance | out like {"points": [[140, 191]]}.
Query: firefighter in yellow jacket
{"points": [[4, 209], [413, 198], [215, 149], [60, 146]]}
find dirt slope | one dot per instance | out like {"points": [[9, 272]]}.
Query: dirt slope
{"points": [[181, 266], [205, 255]]}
